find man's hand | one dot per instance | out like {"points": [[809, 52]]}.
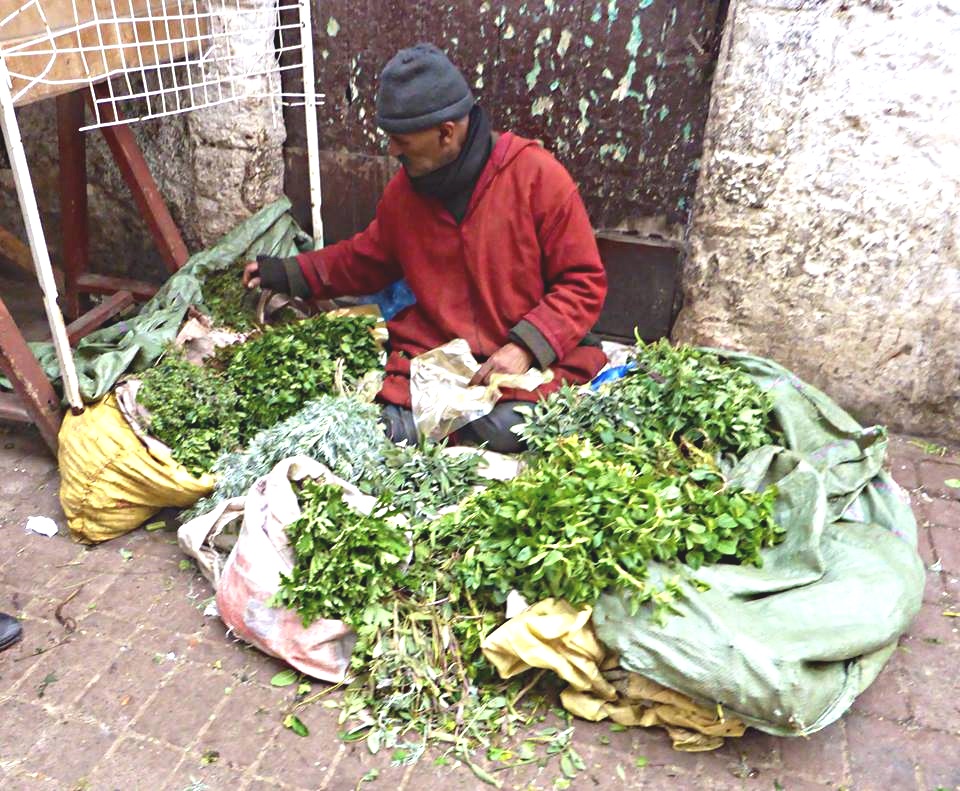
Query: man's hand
{"points": [[509, 359], [251, 275]]}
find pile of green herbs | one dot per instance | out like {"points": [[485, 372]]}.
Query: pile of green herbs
{"points": [[202, 413], [227, 301], [194, 410], [344, 434], [674, 393], [341, 432], [614, 482], [420, 678], [276, 372]]}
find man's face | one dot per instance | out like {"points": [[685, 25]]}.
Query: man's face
{"points": [[424, 151]]}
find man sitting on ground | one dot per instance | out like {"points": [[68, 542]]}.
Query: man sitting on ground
{"points": [[490, 234]]}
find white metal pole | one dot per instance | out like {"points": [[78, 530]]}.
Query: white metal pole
{"points": [[38, 246], [310, 115]]}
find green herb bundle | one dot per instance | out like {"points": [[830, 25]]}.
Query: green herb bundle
{"points": [[346, 562], [676, 393], [420, 677], [420, 480], [339, 431], [576, 524], [227, 301], [277, 372], [192, 409]]}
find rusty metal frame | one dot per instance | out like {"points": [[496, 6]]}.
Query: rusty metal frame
{"points": [[34, 399], [73, 200]]}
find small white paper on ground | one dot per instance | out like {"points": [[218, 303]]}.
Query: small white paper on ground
{"points": [[42, 525]]}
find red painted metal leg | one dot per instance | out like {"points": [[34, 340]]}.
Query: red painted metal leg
{"points": [[133, 168], [96, 317], [73, 197], [37, 402]]}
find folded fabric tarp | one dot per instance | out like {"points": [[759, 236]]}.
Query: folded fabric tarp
{"points": [[789, 646]]}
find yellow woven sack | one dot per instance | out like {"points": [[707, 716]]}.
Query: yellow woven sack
{"points": [[110, 483]]}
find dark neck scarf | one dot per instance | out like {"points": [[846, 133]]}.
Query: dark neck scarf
{"points": [[453, 183]]}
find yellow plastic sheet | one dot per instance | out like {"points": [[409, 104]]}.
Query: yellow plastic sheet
{"points": [[110, 483], [553, 635]]}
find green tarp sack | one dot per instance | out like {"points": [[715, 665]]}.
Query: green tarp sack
{"points": [[135, 344], [789, 646]]}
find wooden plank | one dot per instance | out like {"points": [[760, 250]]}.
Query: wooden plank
{"points": [[94, 318], [36, 394], [12, 408], [133, 168], [106, 284], [73, 197]]}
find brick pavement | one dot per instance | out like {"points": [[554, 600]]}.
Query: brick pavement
{"points": [[147, 693]]}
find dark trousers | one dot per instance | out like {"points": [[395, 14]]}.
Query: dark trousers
{"points": [[492, 431]]}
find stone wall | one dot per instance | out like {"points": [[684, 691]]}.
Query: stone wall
{"points": [[214, 167], [825, 224]]}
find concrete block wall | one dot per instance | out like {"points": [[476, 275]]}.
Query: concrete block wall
{"points": [[825, 222]]}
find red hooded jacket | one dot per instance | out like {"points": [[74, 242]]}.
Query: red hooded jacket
{"points": [[524, 251]]}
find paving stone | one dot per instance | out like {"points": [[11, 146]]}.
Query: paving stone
{"points": [[951, 591], [938, 756], [356, 762], [181, 611], [946, 542], [303, 761], [885, 697], [930, 669], [905, 474], [31, 781], [942, 512], [159, 543], [193, 773], [123, 687], [934, 589], [181, 708], [68, 750], [261, 784], [63, 673], [20, 723], [821, 756], [625, 748], [932, 477], [243, 725], [753, 755], [925, 546], [787, 782], [132, 593], [878, 759], [211, 645], [36, 552], [19, 660], [903, 448], [134, 763]]}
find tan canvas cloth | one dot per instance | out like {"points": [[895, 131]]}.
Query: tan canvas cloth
{"points": [[555, 636]]}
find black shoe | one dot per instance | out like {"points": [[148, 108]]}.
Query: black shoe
{"points": [[10, 630]]}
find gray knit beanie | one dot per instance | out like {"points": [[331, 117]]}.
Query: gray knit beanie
{"points": [[420, 88]]}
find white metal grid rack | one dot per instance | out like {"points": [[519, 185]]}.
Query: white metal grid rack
{"points": [[157, 58]]}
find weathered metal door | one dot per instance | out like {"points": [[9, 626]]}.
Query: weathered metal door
{"points": [[617, 90]]}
